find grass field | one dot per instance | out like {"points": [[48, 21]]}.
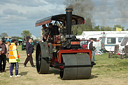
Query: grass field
{"points": [[108, 71]]}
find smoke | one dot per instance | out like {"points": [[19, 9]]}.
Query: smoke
{"points": [[114, 11], [122, 9], [103, 12], [82, 8]]}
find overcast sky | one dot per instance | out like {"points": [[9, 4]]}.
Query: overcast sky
{"points": [[19, 15]]}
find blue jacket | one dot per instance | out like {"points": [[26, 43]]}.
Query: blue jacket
{"points": [[29, 48]]}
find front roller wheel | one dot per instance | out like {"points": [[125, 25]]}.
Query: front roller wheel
{"points": [[77, 66], [41, 64]]}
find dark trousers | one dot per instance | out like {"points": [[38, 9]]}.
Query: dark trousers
{"points": [[12, 67], [2, 60], [29, 58]]}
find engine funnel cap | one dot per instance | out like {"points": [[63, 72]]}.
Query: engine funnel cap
{"points": [[69, 10]]}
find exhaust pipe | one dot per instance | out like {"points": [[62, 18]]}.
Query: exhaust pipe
{"points": [[69, 20]]}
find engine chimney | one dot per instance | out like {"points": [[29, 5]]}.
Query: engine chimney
{"points": [[69, 20]]}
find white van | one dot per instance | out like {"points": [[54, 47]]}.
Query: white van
{"points": [[111, 40]]}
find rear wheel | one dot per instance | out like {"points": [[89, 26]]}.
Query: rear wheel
{"points": [[41, 64]]}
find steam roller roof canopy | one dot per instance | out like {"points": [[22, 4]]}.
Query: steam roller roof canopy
{"points": [[61, 18]]}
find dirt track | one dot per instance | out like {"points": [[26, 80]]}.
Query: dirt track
{"points": [[30, 77]]}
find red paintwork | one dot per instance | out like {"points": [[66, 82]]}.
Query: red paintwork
{"points": [[54, 60], [61, 67], [75, 43], [84, 46], [73, 51]]}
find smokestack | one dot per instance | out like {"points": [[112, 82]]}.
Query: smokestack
{"points": [[69, 20]]}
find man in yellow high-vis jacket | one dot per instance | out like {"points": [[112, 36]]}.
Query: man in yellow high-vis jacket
{"points": [[13, 58]]}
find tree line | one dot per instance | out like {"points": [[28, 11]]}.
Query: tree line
{"points": [[78, 29], [24, 34]]}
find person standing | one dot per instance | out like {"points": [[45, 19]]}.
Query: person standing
{"points": [[7, 47], [29, 51], [51, 33], [2, 56], [44, 32], [14, 58], [51, 30], [91, 46]]}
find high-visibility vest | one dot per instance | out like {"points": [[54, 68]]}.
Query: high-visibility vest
{"points": [[12, 58]]}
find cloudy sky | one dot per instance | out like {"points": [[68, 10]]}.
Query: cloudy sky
{"points": [[19, 15]]}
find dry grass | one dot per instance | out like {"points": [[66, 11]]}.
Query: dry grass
{"points": [[108, 71]]}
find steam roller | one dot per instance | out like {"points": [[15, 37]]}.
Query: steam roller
{"points": [[63, 50]]}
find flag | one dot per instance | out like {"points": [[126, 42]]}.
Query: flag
{"points": [[118, 29]]}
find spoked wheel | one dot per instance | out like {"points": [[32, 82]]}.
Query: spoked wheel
{"points": [[41, 64], [77, 66]]}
